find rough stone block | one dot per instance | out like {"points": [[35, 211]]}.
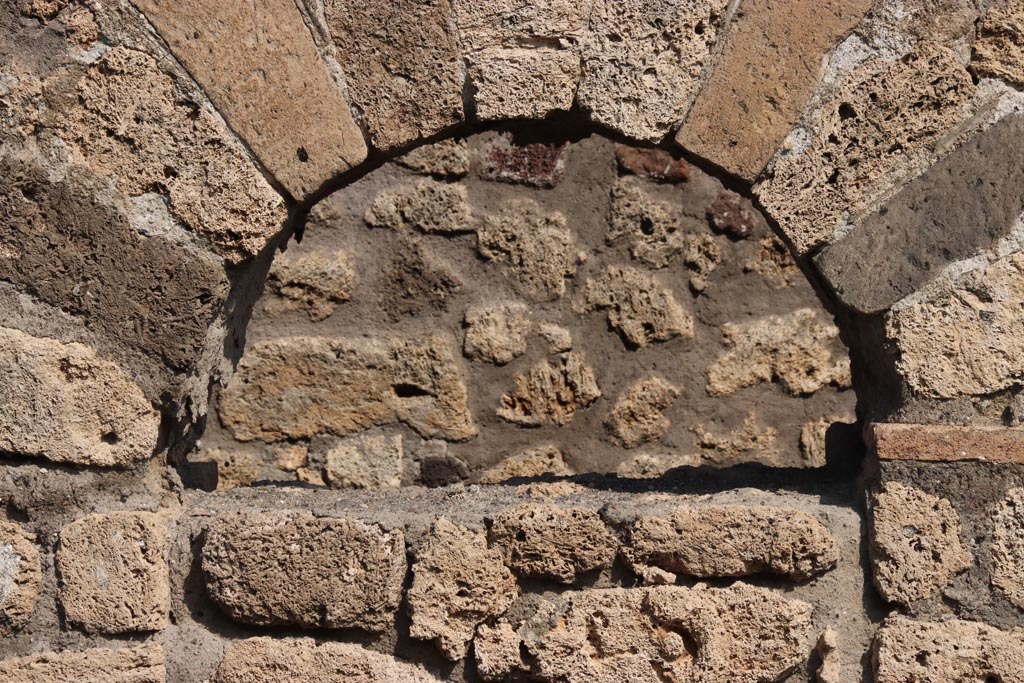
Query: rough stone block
{"points": [[143, 664], [642, 62], [259, 66], [447, 159], [533, 462], [295, 388], [655, 164], [638, 306], [1008, 547], [962, 205], [365, 461], [551, 392], [915, 544], [113, 572], [999, 48], [940, 652], [638, 415], [496, 651], [427, 206], [496, 334], [63, 403], [548, 542], [402, 66], [315, 281], [294, 569], [458, 583], [770, 65], [504, 160], [945, 443], [21, 577], [730, 541], [286, 660]]}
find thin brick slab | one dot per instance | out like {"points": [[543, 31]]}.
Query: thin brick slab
{"points": [[946, 443]]}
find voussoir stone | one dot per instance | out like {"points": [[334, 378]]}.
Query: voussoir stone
{"points": [[770, 65], [21, 577], [642, 62], [258, 64], [113, 571], [402, 66], [549, 542], [63, 403], [739, 634], [297, 387], [915, 544], [294, 569], [730, 540], [142, 664], [999, 49], [941, 652], [458, 583]]}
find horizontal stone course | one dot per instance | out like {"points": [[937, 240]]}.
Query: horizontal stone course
{"points": [[142, 664], [945, 443]]}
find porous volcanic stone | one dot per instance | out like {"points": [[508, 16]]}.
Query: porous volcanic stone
{"points": [[999, 48], [63, 403], [21, 577], [638, 415], [915, 544], [259, 66], [551, 392], [503, 159], [496, 650], [287, 660], [295, 569], [365, 461], [402, 66], [445, 159], [113, 572], [638, 305], [533, 462], [496, 333], [730, 540], [297, 387], [1008, 547], [548, 542], [457, 584], [143, 664], [315, 281], [771, 63], [426, 205]]}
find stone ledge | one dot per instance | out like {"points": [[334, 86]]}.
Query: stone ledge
{"points": [[945, 443]]}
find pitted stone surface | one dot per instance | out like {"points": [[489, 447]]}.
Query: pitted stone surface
{"points": [[655, 164], [940, 652], [915, 544], [298, 387], [740, 634], [798, 350], [287, 660], [295, 569], [1008, 547], [962, 205], [999, 49], [62, 403], [365, 461], [445, 159], [497, 333], [533, 462], [315, 282], [259, 66], [642, 62], [21, 577], [503, 159], [638, 415], [730, 541], [550, 392], [458, 583], [401, 64], [113, 572], [142, 664], [426, 205], [885, 118], [549, 542], [496, 651], [638, 306], [770, 65], [966, 336]]}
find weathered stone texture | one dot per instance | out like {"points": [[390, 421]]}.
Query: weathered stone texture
{"points": [[298, 387], [642, 62], [960, 206], [401, 64], [830, 666], [740, 634], [142, 664], [771, 63], [300, 570], [503, 159], [548, 542], [946, 443], [735, 216], [748, 441], [286, 660], [523, 59], [458, 583], [798, 350], [914, 543], [883, 119], [940, 652], [535, 246], [638, 415], [496, 334], [315, 282], [259, 66], [21, 577], [1008, 547], [638, 306], [533, 462], [365, 461], [550, 392], [729, 541], [63, 403], [966, 336], [655, 164], [447, 159], [418, 280], [999, 48], [496, 651], [113, 572], [426, 205]]}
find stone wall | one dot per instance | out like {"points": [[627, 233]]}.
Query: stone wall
{"points": [[564, 287]]}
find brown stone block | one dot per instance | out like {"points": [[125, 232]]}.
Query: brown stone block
{"points": [[938, 443], [143, 664]]}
